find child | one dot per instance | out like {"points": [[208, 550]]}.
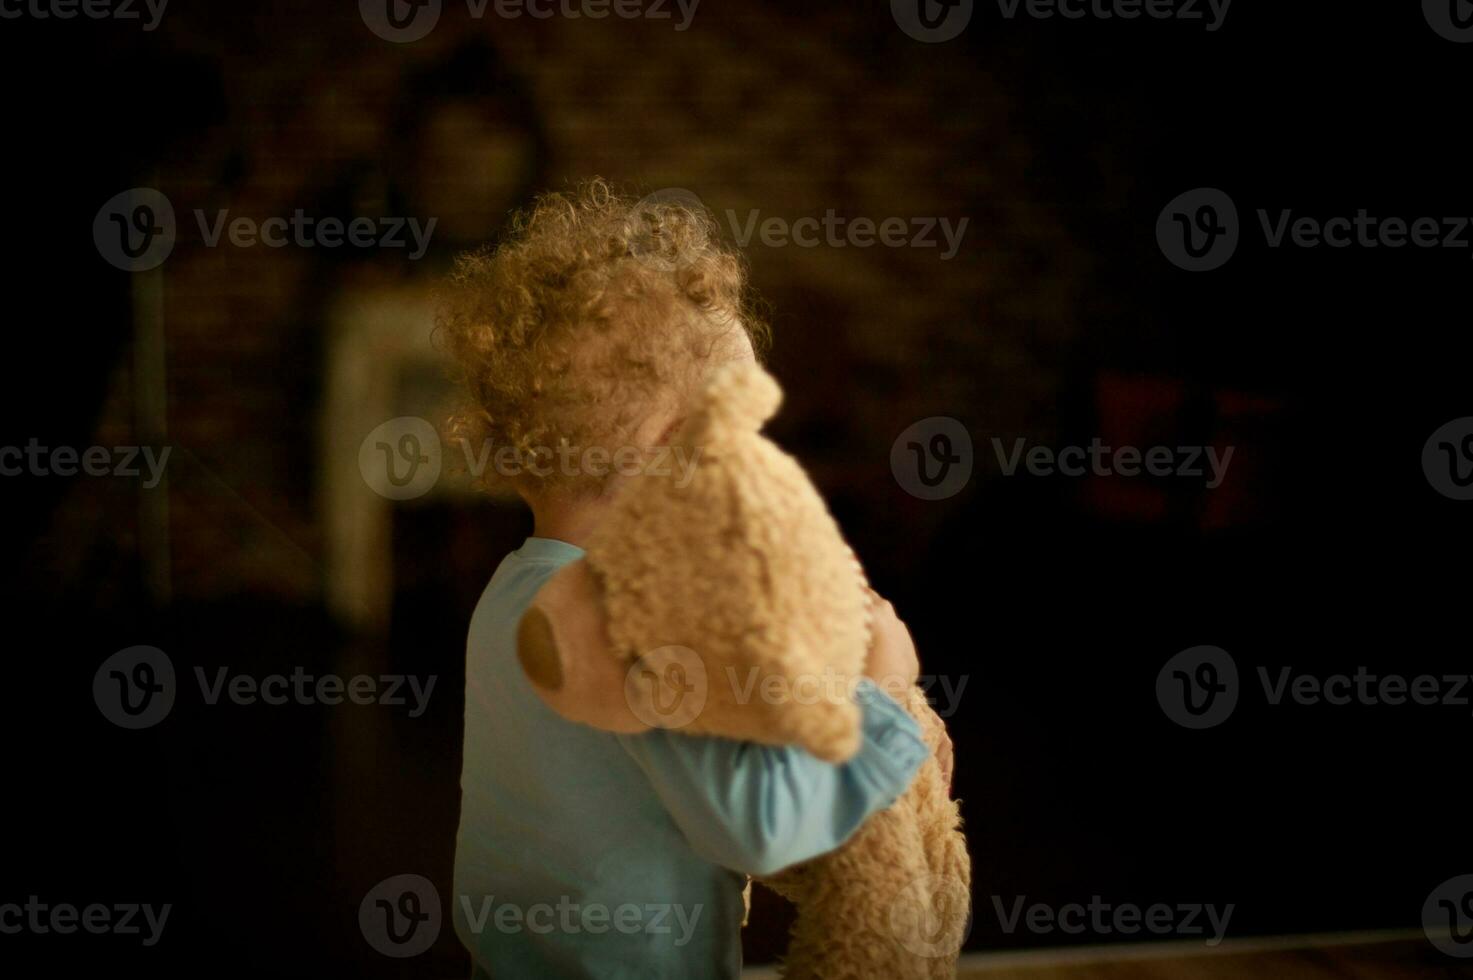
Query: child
{"points": [[583, 853]]}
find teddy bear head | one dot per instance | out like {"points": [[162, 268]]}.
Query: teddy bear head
{"points": [[717, 599]]}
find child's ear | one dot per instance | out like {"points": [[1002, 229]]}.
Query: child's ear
{"points": [[563, 647]]}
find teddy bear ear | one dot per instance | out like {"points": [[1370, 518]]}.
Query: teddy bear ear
{"points": [[563, 647], [739, 397]]}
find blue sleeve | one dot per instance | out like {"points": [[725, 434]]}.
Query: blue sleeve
{"points": [[758, 809]]}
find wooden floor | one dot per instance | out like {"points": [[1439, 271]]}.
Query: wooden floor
{"points": [[1360, 956]]}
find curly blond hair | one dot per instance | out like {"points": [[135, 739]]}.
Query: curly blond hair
{"points": [[593, 311]]}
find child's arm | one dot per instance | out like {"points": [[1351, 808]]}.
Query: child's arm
{"points": [[745, 806], [758, 809]]}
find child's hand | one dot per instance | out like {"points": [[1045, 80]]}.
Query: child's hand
{"points": [[892, 663], [893, 667]]}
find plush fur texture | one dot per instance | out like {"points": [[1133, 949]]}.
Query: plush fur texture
{"points": [[732, 606], [745, 568]]}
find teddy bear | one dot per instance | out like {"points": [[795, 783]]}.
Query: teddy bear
{"points": [[730, 604]]}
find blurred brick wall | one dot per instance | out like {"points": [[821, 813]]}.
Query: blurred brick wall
{"points": [[756, 106]]}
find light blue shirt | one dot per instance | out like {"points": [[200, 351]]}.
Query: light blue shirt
{"points": [[583, 853]]}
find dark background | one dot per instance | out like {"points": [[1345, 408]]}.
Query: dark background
{"points": [[1058, 599]]}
